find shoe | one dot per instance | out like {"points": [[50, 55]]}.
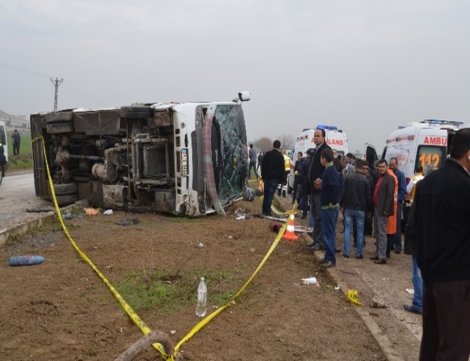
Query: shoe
{"points": [[375, 258], [327, 264], [360, 256], [380, 261], [317, 247], [345, 255], [337, 250], [411, 309], [398, 251]]}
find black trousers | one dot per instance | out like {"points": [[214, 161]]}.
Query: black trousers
{"points": [[446, 321]]}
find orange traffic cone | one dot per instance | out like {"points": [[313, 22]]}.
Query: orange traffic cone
{"points": [[290, 235]]}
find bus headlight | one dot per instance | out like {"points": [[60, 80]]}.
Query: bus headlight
{"points": [[184, 162]]}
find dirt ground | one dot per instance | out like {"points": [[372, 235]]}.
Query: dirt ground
{"points": [[60, 310]]}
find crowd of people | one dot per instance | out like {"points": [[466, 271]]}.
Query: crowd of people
{"points": [[433, 210]]}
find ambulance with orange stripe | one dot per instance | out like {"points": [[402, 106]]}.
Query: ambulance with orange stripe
{"points": [[422, 143]]}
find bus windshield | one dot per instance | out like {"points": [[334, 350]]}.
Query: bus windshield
{"points": [[234, 152]]}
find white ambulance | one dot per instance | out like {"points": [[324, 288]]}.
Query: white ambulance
{"points": [[420, 143], [335, 138]]}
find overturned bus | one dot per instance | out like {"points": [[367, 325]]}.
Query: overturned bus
{"points": [[179, 158]]}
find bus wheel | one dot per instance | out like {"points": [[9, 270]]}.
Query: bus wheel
{"points": [[65, 189]]}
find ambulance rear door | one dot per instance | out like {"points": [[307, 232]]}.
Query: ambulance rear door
{"points": [[431, 148]]}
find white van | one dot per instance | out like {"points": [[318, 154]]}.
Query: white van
{"points": [[335, 138], [420, 143], [4, 138]]}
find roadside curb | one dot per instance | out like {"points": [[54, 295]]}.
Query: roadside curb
{"points": [[24, 228], [384, 342]]}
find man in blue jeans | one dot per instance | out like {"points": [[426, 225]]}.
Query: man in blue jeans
{"points": [[395, 240], [355, 202], [273, 174], [330, 193]]}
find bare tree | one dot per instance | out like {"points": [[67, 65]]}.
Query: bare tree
{"points": [[263, 144], [287, 141]]}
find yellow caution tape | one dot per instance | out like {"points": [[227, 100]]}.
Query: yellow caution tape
{"points": [[209, 318], [352, 296], [125, 306]]}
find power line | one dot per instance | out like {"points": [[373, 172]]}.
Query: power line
{"points": [[26, 71], [56, 84]]}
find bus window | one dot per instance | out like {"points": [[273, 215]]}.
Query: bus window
{"points": [[234, 164], [430, 156]]}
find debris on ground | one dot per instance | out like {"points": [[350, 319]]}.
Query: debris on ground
{"points": [[91, 211], [411, 291], [25, 260], [310, 281], [108, 212], [67, 215], [241, 214], [377, 303], [248, 194], [352, 296], [39, 210], [127, 222], [275, 226]]}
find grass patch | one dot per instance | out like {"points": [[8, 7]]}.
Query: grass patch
{"points": [[169, 292], [25, 159]]}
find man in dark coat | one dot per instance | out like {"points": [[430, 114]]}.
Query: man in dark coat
{"points": [[273, 174], [442, 223], [383, 199], [304, 188], [16, 142], [315, 174], [330, 195], [355, 202]]}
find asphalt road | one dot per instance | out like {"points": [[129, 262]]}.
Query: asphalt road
{"points": [[16, 195]]}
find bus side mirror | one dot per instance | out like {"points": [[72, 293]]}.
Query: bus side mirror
{"points": [[244, 96]]}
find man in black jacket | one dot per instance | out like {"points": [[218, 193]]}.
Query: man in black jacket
{"points": [[442, 222], [315, 174], [355, 202], [273, 174]]}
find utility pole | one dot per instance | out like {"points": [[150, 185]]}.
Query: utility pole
{"points": [[56, 82]]}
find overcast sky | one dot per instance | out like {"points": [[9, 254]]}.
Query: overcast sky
{"points": [[366, 66]]}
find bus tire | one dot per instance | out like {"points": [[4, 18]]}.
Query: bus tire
{"points": [[65, 189], [65, 200]]}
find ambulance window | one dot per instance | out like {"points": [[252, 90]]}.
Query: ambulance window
{"points": [[430, 156]]}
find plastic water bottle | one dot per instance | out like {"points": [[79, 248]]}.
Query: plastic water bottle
{"points": [[201, 298]]}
